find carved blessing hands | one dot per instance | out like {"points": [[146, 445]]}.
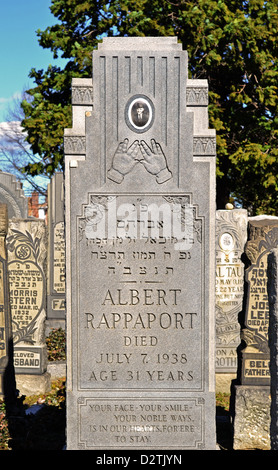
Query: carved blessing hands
{"points": [[125, 158], [153, 159]]}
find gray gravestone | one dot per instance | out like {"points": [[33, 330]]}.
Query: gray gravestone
{"points": [[251, 423], [263, 237], [56, 254], [231, 236], [140, 252], [252, 396], [27, 249], [11, 193], [273, 344], [7, 383]]}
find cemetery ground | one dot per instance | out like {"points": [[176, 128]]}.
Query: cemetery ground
{"points": [[39, 422]]}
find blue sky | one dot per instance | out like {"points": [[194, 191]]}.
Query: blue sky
{"points": [[19, 47], [19, 53]]}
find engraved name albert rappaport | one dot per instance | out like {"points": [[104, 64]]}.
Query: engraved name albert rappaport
{"points": [[139, 304]]}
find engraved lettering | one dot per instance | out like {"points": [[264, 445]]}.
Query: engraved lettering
{"points": [[145, 297], [111, 358], [149, 320]]}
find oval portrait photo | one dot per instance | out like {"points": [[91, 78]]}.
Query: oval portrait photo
{"points": [[139, 113]]}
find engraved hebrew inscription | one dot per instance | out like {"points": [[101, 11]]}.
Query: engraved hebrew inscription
{"points": [[142, 308]]}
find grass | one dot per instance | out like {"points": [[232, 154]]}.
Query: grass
{"points": [[223, 402]]}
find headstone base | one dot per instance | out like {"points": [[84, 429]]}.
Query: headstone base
{"points": [[145, 422], [57, 369], [251, 421], [53, 324], [29, 384], [223, 382]]}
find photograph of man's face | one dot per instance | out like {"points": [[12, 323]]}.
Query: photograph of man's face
{"points": [[139, 113]]}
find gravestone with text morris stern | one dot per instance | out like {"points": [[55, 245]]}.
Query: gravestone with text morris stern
{"points": [[27, 255], [140, 252]]}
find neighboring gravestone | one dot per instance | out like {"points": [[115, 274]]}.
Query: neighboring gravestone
{"points": [[56, 254], [11, 193], [263, 237], [26, 246], [140, 252], [7, 384], [273, 344], [231, 236], [252, 397]]}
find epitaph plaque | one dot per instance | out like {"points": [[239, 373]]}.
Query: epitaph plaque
{"points": [[140, 253], [231, 236], [262, 238], [56, 290]]}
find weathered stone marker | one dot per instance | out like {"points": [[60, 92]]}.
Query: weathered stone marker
{"points": [[27, 249], [263, 237], [273, 343], [7, 381], [12, 194], [252, 396], [140, 252], [56, 285], [231, 236]]}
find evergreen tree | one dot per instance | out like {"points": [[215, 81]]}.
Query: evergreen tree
{"points": [[233, 44]]}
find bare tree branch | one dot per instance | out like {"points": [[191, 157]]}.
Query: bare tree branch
{"points": [[15, 152]]}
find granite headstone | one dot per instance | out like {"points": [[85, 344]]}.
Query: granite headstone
{"points": [[251, 397], [231, 236], [262, 238], [12, 194], [140, 252], [56, 254], [27, 249], [272, 288], [7, 384]]}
